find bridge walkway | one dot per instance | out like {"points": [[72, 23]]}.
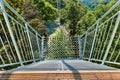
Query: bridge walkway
{"points": [[63, 65]]}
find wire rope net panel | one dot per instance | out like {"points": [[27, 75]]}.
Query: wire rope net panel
{"points": [[63, 48]]}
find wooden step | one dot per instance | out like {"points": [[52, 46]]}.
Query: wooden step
{"points": [[61, 75]]}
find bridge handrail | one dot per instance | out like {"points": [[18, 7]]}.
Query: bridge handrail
{"points": [[20, 43], [99, 40]]}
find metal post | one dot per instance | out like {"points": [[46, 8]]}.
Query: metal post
{"points": [[58, 7], [42, 48], [112, 37], [80, 47], [94, 41], [30, 41], [10, 31], [84, 44], [38, 43]]}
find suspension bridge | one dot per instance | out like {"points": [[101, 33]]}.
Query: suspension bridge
{"points": [[95, 55]]}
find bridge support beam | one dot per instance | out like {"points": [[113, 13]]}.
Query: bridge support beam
{"points": [[80, 47], [42, 48], [38, 44], [10, 31], [84, 45]]}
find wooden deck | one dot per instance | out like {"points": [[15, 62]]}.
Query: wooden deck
{"points": [[62, 70], [61, 75]]}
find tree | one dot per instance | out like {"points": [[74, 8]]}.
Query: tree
{"points": [[74, 11], [85, 22], [17, 5], [90, 3], [33, 16], [39, 26], [99, 10], [31, 11], [54, 3], [93, 3], [48, 11]]}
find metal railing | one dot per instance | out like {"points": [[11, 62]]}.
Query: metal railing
{"points": [[19, 42], [101, 42]]}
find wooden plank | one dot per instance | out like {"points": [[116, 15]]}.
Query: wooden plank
{"points": [[61, 75]]}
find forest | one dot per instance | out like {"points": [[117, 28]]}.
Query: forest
{"points": [[78, 15]]}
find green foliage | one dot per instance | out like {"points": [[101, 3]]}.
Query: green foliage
{"points": [[79, 18], [17, 5], [90, 3], [54, 3], [74, 11], [101, 9], [31, 11], [93, 3], [34, 17], [48, 12], [39, 26], [86, 21]]}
